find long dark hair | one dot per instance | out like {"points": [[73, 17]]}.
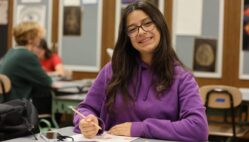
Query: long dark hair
{"points": [[124, 64], [43, 45]]}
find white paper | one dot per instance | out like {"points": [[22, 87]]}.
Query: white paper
{"points": [[71, 2], [31, 13], [89, 1], [4, 12], [31, 1], [189, 17], [104, 138]]}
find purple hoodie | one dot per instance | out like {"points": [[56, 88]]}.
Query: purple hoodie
{"points": [[178, 115]]}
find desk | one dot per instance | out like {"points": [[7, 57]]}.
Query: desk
{"points": [[62, 104], [69, 132], [75, 85], [68, 94]]}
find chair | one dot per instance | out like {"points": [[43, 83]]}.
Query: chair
{"points": [[45, 119], [5, 86], [223, 104]]}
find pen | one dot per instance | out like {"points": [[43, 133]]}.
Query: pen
{"points": [[83, 116]]}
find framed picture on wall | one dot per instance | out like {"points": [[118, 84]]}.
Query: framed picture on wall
{"points": [[34, 10], [72, 21], [245, 26], [204, 55], [80, 34], [199, 47], [35, 13], [244, 45]]}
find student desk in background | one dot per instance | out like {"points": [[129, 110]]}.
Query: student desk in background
{"points": [[67, 94]]}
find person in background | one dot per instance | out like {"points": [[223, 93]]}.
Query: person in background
{"points": [[50, 62], [145, 91], [22, 66]]}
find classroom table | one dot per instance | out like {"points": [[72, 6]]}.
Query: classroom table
{"points": [[68, 94], [61, 104], [69, 132]]}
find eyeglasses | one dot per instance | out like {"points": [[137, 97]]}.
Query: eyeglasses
{"points": [[147, 26]]}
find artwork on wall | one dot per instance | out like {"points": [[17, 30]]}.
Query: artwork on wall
{"points": [[205, 54], [80, 34], [72, 21], [199, 47], [244, 45], [39, 11], [246, 26], [31, 13]]}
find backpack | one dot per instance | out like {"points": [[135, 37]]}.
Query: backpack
{"points": [[17, 118]]}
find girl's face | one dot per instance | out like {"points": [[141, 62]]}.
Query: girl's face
{"points": [[143, 33]]}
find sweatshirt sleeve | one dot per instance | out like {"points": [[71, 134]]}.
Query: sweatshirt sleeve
{"points": [[94, 99], [192, 123]]}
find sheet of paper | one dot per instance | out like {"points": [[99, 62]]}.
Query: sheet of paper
{"points": [[71, 2], [104, 138], [189, 17], [89, 1], [31, 1]]}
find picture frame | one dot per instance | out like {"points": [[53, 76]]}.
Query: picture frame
{"points": [[72, 17], [183, 39], [244, 41], [81, 51], [39, 11], [204, 59]]}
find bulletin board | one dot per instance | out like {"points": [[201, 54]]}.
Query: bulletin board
{"points": [[198, 35], [80, 33], [34, 10], [244, 48], [121, 4]]}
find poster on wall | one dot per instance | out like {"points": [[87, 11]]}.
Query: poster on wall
{"points": [[246, 26], [72, 21], [189, 14], [205, 54], [31, 13], [4, 12]]}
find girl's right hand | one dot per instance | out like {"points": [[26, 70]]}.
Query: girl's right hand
{"points": [[87, 127]]}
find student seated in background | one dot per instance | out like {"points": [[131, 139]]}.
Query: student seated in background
{"points": [[50, 62], [22, 66], [145, 91]]}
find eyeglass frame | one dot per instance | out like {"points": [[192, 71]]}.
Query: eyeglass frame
{"points": [[142, 27]]}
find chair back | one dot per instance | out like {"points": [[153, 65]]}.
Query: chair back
{"points": [[223, 102], [220, 96], [5, 84]]}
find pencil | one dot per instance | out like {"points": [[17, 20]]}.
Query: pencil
{"points": [[83, 116]]}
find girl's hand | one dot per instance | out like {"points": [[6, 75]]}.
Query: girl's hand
{"points": [[87, 128]]}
